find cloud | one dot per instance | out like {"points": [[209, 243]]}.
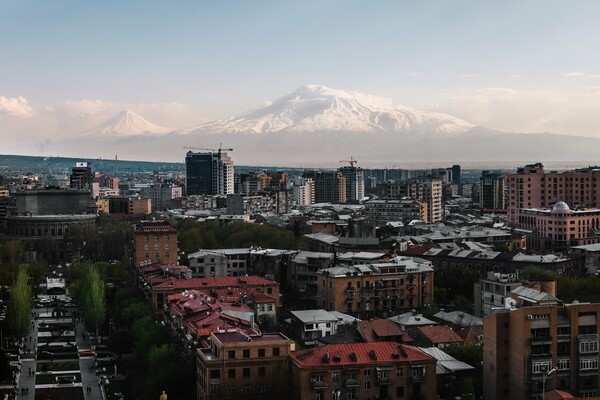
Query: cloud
{"points": [[570, 112], [15, 107], [515, 76], [573, 74], [470, 75]]}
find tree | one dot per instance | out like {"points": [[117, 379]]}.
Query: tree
{"points": [[92, 298], [19, 308], [166, 372]]}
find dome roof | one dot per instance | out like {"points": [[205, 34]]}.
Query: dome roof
{"points": [[561, 206]]}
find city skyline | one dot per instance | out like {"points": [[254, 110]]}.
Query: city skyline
{"points": [[512, 66]]}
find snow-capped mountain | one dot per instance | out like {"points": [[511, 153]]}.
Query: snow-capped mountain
{"points": [[127, 123], [314, 108]]}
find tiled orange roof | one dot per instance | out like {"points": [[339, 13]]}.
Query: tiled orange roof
{"points": [[377, 329], [359, 354]]}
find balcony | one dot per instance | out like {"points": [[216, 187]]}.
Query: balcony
{"points": [[540, 340], [318, 385], [350, 291], [384, 380], [352, 383]]}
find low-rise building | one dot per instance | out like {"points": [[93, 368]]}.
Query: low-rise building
{"points": [[382, 370], [237, 365]]}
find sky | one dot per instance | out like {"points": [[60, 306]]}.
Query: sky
{"points": [[522, 65]]}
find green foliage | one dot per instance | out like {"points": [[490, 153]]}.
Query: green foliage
{"points": [[455, 285], [12, 255], [468, 389], [91, 298], [211, 235], [472, 354], [536, 273], [107, 242], [567, 288], [166, 372], [19, 308], [147, 333]]}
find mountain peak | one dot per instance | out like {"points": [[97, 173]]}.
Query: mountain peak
{"points": [[317, 108], [128, 123]]}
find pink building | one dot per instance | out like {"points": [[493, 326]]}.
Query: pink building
{"points": [[560, 227], [531, 187]]}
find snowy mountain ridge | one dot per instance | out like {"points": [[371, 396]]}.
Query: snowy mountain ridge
{"points": [[315, 108]]}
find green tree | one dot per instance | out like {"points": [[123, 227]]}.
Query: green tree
{"points": [[92, 298], [19, 308], [147, 333], [166, 372]]}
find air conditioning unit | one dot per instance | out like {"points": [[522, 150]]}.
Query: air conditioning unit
{"points": [[530, 317], [312, 380]]}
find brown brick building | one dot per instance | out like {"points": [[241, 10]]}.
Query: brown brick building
{"points": [[241, 366], [522, 345], [379, 289], [363, 371], [155, 241]]}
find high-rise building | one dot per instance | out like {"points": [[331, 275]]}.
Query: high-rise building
{"points": [[456, 174], [532, 187], [491, 190], [330, 186], [304, 195], [208, 173], [355, 183], [81, 176]]}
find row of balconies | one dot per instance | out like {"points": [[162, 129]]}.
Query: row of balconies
{"points": [[352, 383]]}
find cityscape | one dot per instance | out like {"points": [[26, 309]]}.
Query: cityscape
{"points": [[317, 200]]}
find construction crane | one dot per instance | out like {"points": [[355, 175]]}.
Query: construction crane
{"points": [[351, 161], [205, 148]]}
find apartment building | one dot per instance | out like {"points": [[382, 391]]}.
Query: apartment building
{"points": [[155, 241], [551, 342], [379, 289], [407, 209], [238, 365], [382, 370]]}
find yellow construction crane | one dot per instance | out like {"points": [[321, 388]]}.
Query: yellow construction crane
{"points": [[351, 161]]}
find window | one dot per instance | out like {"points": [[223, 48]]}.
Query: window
{"points": [[156, 255], [541, 366], [588, 363], [563, 364], [166, 246], [400, 372], [261, 389], [261, 371], [146, 247], [367, 385], [156, 247], [146, 238], [214, 388], [156, 238], [367, 372], [276, 351], [231, 354], [231, 373], [261, 352], [246, 372], [215, 374], [335, 376], [246, 353], [588, 347], [247, 388]]}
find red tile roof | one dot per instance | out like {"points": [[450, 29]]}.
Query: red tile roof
{"points": [[471, 333], [364, 353], [440, 334], [216, 282]]}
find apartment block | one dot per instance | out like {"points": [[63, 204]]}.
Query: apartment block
{"points": [[155, 241], [382, 370], [523, 345], [238, 365], [378, 289]]}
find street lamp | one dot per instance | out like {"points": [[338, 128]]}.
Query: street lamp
{"points": [[546, 375]]}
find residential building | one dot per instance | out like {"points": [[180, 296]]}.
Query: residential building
{"points": [[304, 195], [440, 336], [532, 187], [162, 195], [81, 176], [311, 325], [355, 183], [330, 186], [456, 174], [383, 370], [522, 345], [155, 241], [451, 373], [208, 173], [378, 289], [491, 190], [238, 365], [560, 227], [492, 291], [407, 209]]}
